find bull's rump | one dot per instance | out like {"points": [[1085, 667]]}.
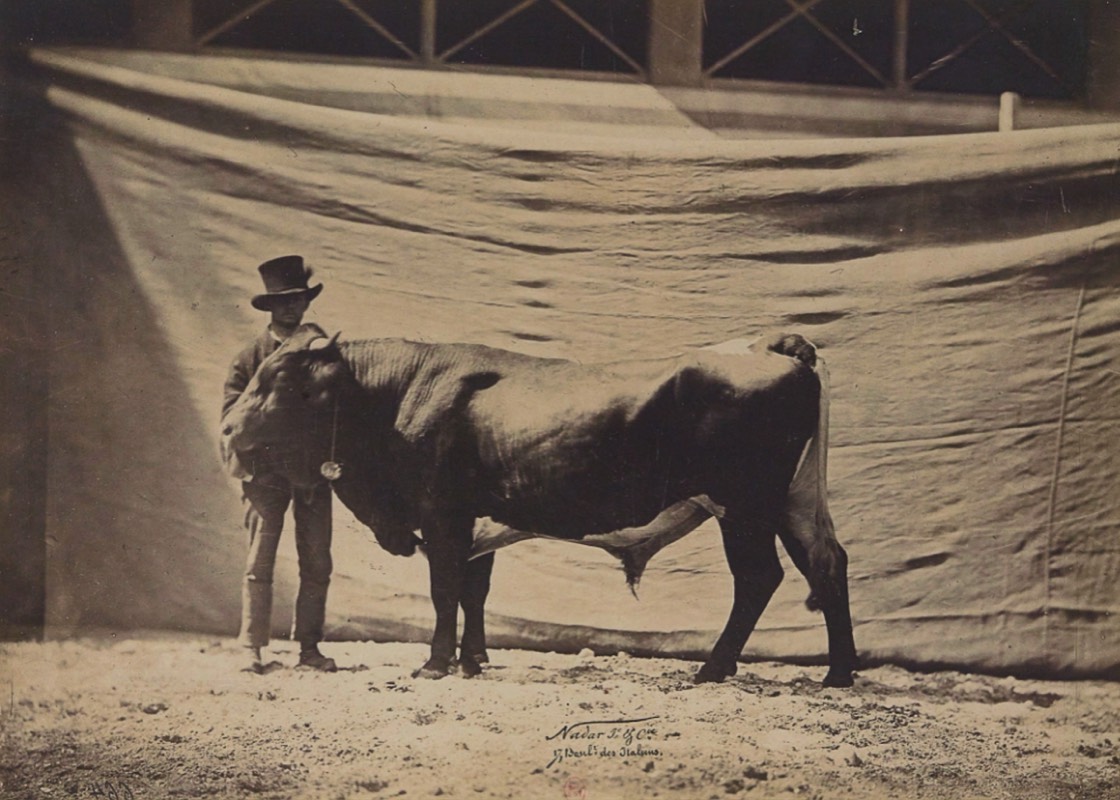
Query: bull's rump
{"points": [[569, 451]]}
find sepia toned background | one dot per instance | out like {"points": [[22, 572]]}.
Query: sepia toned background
{"points": [[962, 288]]}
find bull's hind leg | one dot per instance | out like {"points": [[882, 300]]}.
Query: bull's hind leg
{"points": [[824, 563], [472, 648], [753, 558]]}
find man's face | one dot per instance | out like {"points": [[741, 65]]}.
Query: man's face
{"points": [[288, 311]]}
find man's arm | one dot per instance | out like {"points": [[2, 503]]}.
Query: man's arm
{"points": [[240, 373]]}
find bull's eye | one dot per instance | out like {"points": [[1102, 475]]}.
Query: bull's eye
{"points": [[284, 386], [283, 394]]}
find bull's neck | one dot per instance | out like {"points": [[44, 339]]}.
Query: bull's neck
{"points": [[385, 367]]}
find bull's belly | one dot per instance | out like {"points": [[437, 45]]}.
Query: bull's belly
{"points": [[675, 522], [563, 525], [581, 510]]}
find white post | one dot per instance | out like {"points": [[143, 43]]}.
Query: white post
{"points": [[427, 32], [1008, 110]]}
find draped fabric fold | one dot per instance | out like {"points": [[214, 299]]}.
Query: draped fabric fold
{"points": [[965, 291]]}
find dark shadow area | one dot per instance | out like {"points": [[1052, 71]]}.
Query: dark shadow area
{"points": [[24, 357], [71, 21], [112, 510]]}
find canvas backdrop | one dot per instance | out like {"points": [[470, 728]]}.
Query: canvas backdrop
{"points": [[963, 289]]}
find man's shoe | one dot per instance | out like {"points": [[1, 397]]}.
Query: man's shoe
{"points": [[313, 659], [253, 661]]}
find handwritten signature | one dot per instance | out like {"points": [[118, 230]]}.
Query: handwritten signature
{"points": [[604, 738]]}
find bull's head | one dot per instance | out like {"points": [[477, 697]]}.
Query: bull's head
{"points": [[282, 423]]}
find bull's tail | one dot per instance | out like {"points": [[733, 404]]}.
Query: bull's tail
{"points": [[808, 493], [808, 520], [813, 474], [812, 471]]}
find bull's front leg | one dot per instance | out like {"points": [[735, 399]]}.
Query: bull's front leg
{"points": [[448, 538]]}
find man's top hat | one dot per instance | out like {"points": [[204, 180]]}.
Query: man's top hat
{"points": [[282, 277]]}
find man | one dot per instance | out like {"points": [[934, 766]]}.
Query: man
{"points": [[286, 297]]}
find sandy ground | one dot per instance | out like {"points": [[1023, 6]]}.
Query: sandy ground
{"points": [[165, 716]]}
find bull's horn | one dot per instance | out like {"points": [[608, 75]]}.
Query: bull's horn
{"points": [[321, 344]]}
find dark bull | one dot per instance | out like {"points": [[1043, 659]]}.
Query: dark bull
{"points": [[432, 437]]}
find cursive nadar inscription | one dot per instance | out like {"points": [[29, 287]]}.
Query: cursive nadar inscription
{"points": [[604, 738]]}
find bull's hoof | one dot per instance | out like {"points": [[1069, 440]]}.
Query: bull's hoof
{"points": [[471, 663], [433, 670], [478, 654], [710, 673], [470, 666], [839, 679]]}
